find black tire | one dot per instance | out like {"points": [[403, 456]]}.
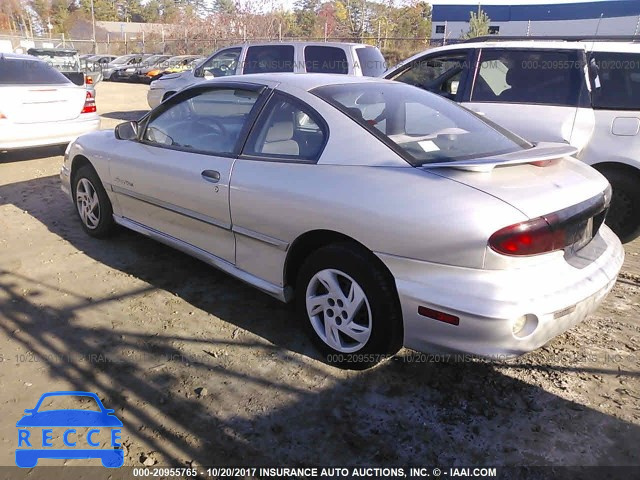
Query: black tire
{"points": [[103, 211], [385, 319], [167, 95], [624, 214]]}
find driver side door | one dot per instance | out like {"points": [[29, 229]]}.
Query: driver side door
{"points": [[174, 179]]}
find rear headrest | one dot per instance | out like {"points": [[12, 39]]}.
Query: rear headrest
{"points": [[517, 76], [280, 131]]}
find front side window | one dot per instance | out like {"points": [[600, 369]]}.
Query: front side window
{"points": [[319, 59], [424, 128], [538, 77], [222, 64], [211, 121], [287, 130], [615, 79], [439, 74], [269, 58]]}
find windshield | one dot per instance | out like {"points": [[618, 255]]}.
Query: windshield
{"points": [[421, 126], [122, 60]]}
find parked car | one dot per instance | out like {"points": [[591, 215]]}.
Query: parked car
{"points": [[391, 215], [130, 60], [299, 57], [539, 90], [67, 62], [131, 73], [40, 106], [93, 65], [177, 64]]}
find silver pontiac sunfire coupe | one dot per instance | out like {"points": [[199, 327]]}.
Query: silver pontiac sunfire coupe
{"points": [[391, 215]]}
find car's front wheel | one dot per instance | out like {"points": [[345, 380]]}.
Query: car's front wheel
{"points": [[92, 203], [350, 306]]}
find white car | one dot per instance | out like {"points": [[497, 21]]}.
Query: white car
{"points": [[585, 93], [354, 59], [392, 216], [40, 106]]}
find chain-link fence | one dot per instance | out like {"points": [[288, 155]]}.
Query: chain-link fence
{"points": [[394, 49]]}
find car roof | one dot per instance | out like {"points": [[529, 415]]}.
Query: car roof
{"points": [[299, 43], [20, 56], [303, 81]]}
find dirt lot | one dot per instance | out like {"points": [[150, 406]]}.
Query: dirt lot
{"points": [[203, 369]]}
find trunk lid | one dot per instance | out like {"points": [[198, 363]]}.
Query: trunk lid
{"points": [[42, 103], [559, 182]]}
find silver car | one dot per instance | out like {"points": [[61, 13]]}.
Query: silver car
{"points": [[390, 215]]}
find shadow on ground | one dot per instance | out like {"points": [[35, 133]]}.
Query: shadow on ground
{"points": [[400, 412]]}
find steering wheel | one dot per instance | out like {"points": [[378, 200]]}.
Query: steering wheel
{"points": [[218, 127]]}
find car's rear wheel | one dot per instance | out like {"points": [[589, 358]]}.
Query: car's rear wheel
{"points": [[92, 203], [624, 213], [349, 305]]}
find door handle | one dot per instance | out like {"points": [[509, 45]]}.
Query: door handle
{"points": [[212, 176]]}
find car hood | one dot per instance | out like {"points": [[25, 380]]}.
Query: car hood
{"points": [[69, 418], [171, 76], [533, 190]]}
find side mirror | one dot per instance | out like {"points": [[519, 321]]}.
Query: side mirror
{"points": [[127, 131], [198, 72]]}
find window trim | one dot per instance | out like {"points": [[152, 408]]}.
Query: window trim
{"points": [[191, 92], [464, 74], [278, 95], [583, 100], [346, 59]]}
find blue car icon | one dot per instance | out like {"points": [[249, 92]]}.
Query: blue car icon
{"points": [[68, 418]]}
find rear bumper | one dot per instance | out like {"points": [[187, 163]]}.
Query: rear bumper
{"points": [[24, 135], [554, 296]]}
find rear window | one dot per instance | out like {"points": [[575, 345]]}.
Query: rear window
{"points": [[423, 127], [531, 76], [615, 80], [371, 61], [29, 72], [269, 58], [319, 59]]}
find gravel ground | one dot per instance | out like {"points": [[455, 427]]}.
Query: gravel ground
{"points": [[205, 370]]}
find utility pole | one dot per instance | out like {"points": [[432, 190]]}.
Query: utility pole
{"points": [[93, 28]]}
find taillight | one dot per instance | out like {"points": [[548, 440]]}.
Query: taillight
{"points": [[572, 227], [88, 80], [2, 116], [532, 237], [89, 104]]}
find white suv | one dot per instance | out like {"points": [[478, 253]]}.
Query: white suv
{"points": [[300, 57], [583, 92]]}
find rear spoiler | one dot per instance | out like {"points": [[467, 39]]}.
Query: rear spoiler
{"points": [[541, 152]]}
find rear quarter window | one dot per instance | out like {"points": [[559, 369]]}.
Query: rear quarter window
{"points": [[371, 61], [537, 77], [319, 59], [615, 80], [29, 72]]}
